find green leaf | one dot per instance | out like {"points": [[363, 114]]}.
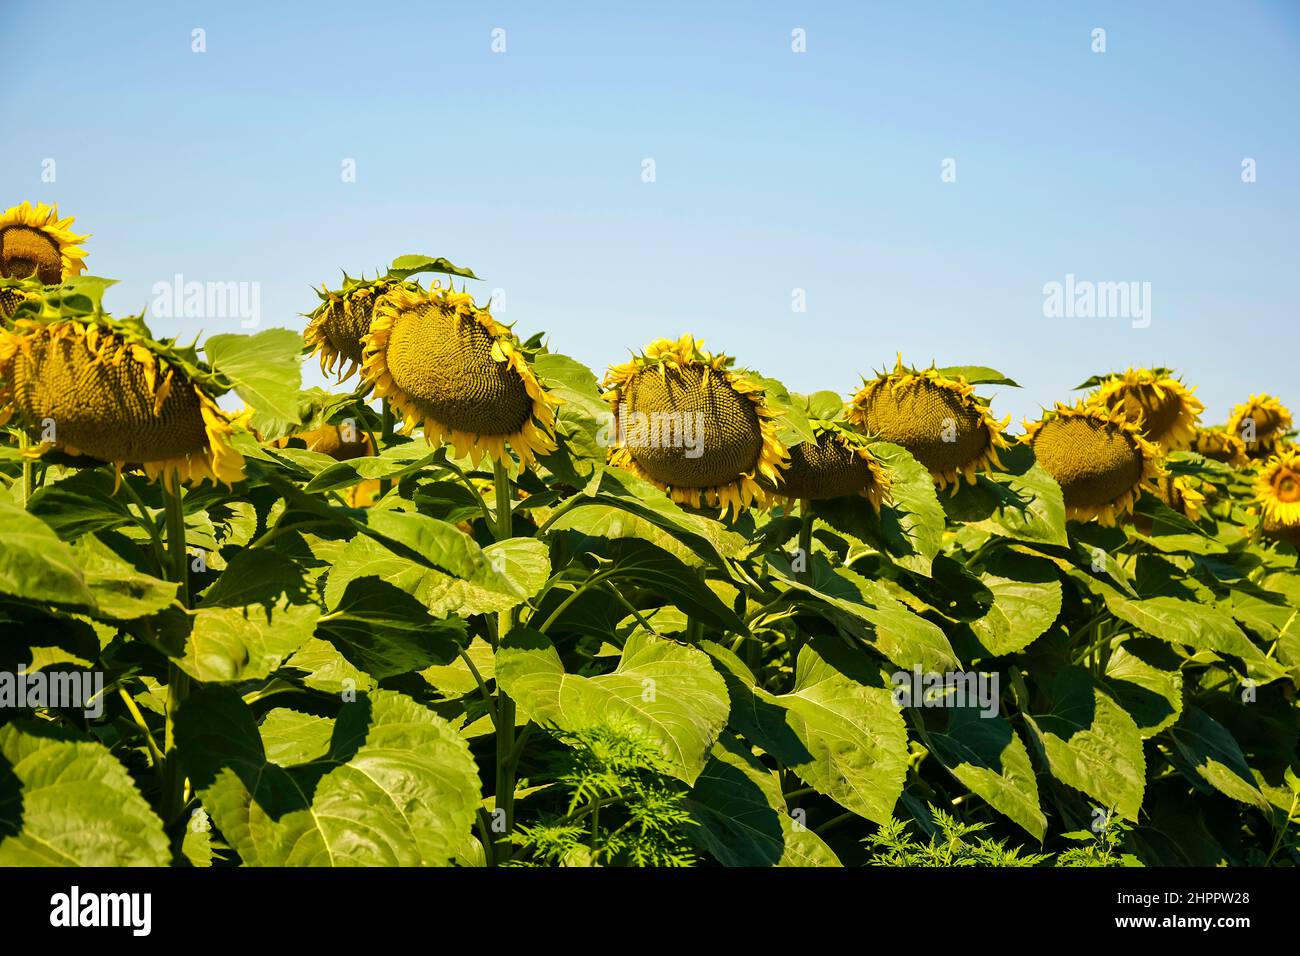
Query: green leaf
{"points": [[977, 375], [231, 645], [121, 592], [404, 267], [35, 565], [265, 370], [512, 572], [1206, 751], [1090, 743], [1194, 624], [849, 600], [384, 631], [1153, 696], [743, 818], [662, 689], [1023, 501], [984, 753], [1026, 602], [259, 576], [65, 802], [618, 504], [398, 787], [910, 527], [644, 565], [838, 729], [791, 416], [81, 504]]}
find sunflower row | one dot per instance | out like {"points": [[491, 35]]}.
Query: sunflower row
{"points": [[685, 419]]}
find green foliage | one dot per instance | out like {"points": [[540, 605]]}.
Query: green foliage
{"points": [[622, 806], [562, 666]]}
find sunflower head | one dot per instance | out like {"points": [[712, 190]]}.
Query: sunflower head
{"points": [[838, 464], [1262, 422], [1161, 406], [1179, 494], [446, 364], [1222, 445], [1277, 495], [342, 443], [36, 243], [337, 328], [1100, 459], [691, 424], [103, 390], [940, 420]]}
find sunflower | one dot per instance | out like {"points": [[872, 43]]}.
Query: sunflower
{"points": [[940, 420], [1179, 494], [839, 464], [35, 243], [1160, 405], [1100, 459], [1219, 444], [109, 393], [337, 328], [1277, 493], [339, 443], [446, 364], [689, 423], [1261, 421]]}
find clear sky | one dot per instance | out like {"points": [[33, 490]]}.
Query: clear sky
{"points": [[774, 171]]}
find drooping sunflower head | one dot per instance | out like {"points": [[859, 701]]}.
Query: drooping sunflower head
{"points": [[1160, 405], [1100, 459], [446, 364], [940, 420], [340, 442], [1222, 445], [690, 423], [337, 328], [1262, 422], [103, 390], [1181, 495], [838, 464], [1277, 495]]}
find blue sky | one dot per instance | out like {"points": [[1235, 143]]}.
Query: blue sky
{"points": [[774, 171]]}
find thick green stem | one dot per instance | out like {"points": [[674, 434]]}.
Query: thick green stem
{"points": [[386, 441], [178, 682], [29, 467], [805, 538], [507, 759]]}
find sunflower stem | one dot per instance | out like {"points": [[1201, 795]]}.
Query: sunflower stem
{"points": [[507, 757], [29, 466], [386, 439], [178, 682], [805, 539]]}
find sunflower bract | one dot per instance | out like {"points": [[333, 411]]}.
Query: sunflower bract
{"points": [[1100, 460], [111, 398]]}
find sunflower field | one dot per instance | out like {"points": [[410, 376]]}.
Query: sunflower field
{"points": [[481, 605]]}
